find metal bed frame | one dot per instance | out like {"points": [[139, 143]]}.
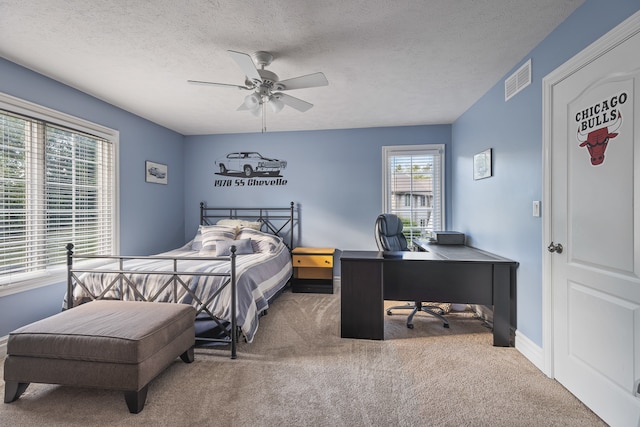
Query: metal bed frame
{"points": [[273, 220]]}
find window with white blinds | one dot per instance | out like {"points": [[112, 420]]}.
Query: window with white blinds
{"points": [[58, 186], [413, 187]]}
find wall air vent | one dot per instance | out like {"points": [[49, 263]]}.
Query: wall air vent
{"points": [[517, 81]]}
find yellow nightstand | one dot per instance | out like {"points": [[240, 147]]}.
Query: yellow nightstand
{"points": [[312, 270]]}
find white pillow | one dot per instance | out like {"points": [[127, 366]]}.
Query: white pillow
{"points": [[261, 242], [243, 247], [257, 225], [240, 223], [210, 234]]}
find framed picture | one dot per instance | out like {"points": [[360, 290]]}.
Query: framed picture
{"points": [[482, 164], [156, 172]]}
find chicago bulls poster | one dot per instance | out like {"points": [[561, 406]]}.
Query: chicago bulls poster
{"points": [[598, 124]]}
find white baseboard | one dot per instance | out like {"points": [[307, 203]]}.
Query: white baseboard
{"points": [[530, 350]]}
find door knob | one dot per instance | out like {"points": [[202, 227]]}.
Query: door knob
{"points": [[554, 248]]}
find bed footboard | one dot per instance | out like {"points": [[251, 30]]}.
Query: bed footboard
{"points": [[170, 277]]}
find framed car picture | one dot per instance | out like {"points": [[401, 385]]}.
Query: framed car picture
{"points": [[482, 164], [156, 172]]}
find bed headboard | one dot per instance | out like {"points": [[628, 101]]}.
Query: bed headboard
{"points": [[277, 221]]}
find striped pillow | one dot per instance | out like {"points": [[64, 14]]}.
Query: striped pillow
{"points": [[261, 242], [212, 233]]}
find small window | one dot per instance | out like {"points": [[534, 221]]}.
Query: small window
{"points": [[415, 173]]}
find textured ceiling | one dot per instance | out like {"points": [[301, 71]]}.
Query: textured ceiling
{"points": [[389, 63]]}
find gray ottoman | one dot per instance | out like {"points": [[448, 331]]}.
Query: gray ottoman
{"points": [[118, 345]]}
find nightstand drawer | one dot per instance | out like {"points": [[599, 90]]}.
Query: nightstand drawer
{"points": [[313, 261]]}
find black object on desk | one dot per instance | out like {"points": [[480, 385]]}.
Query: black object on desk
{"points": [[446, 273]]}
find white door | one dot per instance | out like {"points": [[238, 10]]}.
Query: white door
{"points": [[595, 216]]}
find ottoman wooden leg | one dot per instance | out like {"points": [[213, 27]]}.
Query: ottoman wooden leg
{"points": [[136, 399], [13, 390], [187, 356]]}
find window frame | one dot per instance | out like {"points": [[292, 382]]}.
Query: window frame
{"points": [[439, 176], [19, 106]]}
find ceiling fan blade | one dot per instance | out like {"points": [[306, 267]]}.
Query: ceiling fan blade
{"points": [[293, 102], [310, 80], [246, 65], [198, 82]]}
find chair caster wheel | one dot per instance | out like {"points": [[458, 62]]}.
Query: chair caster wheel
{"points": [[409, 325], [446, 325], [388, 312]]}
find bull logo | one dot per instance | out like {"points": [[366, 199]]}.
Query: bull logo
{"points": [[597, 140]]}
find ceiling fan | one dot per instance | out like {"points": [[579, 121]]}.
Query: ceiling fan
{"points": [[265, 85]]}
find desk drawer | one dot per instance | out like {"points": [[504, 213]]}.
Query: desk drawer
{"points": [[325, 261]]}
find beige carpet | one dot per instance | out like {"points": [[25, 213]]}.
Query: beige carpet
{"points": [[299, 372]]}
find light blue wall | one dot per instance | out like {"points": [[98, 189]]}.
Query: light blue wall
{"points": [[144, 208], [496, 213], [334, 177]]}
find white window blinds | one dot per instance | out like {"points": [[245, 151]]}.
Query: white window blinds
{"points": [[57, 187], [413, 187]]}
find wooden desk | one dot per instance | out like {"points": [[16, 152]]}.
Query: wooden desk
{"points": [[445, 273]]}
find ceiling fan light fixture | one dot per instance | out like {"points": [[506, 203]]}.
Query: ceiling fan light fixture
{"points": [[252, 101], [276, 104]]}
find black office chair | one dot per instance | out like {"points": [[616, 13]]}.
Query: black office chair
{"points": [[389, 237]]}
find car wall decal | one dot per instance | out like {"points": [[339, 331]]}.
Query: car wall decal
{"points": [[248, 168]]}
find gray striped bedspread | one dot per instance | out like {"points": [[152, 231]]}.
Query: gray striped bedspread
{"points": [[259, 276]]}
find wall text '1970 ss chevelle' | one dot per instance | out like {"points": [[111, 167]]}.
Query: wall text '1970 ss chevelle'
{"points": [[250, 163]]}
